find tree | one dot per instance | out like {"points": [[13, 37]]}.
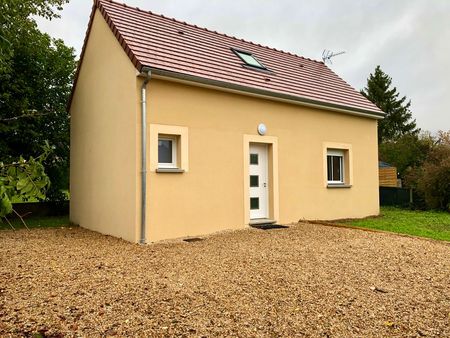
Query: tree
{"points": [[432, 178], [16, 19], [22, 180], [407, 152], [36, 76], [398, 120]]}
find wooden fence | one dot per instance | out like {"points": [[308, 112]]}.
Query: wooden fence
{"points": [[393, 196]]}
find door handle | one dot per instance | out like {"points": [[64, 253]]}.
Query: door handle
{"points": [[265, 185]]}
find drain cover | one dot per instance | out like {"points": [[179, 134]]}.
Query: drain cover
{"points": [[269, 226], [193, 239]]}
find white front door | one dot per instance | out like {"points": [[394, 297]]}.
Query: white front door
{"points": [[259, 185]]}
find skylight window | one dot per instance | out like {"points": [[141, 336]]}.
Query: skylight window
{"points": [[249, 59]]}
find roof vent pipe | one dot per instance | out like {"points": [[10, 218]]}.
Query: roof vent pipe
{"points": [[148, 74]]}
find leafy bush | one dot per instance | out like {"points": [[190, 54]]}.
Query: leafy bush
{"points": [[24, 180], [432, 179]]}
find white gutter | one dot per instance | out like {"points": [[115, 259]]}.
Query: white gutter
{"points": [[147, 73]]}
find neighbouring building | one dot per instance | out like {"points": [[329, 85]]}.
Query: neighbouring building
{"points": [[181, 131]]}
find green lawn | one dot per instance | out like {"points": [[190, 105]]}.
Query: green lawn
{"points": [[431, 224], [36, 222]]}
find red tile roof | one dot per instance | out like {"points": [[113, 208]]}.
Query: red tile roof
{"points": [[175, 47]]}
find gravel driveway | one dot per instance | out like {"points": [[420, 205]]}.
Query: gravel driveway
{"points": [[308, 280]]}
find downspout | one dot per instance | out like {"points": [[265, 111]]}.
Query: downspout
{"points": [[148, 74]]}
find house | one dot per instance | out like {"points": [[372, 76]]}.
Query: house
{"points": [[388, 175], [179, 131]]}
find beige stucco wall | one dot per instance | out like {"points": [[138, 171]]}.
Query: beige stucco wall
{"points": [[103, 138], [210, 197]]}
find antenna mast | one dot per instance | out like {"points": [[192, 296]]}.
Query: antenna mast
{"points": [[328, 54]]}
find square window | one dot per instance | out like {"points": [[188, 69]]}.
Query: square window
{"points": [[168, 148], [167, 152], [335, 166], [254, 203], [253, 158], [254, 181]]}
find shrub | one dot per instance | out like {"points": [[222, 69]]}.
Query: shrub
{"points": [[432, 179], [24, 180]]}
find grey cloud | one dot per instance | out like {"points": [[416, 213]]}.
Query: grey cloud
{"points": [[409, 39]]}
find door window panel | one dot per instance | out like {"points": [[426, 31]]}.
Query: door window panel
{"points": [[254, 159], [254, 181], [254, 203]]}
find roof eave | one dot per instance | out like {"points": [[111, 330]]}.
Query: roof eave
{"points": [[231, 87]]}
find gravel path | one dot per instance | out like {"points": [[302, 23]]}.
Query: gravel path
{"points": [[308, 280]]}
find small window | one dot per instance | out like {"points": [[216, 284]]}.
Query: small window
{"points": [[253, 158], [167, 152], [335, 166], [168, 148], [254, 181], [254, 203], [249, 59]]}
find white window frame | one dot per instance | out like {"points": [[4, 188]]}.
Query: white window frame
{"points": [[181, 134], [174, 163], [337, 153]]}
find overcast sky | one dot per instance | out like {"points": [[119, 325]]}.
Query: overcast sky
{"points": [[409, 39]]}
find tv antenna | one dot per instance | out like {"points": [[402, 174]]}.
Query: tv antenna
{"points": [[328, 54]]}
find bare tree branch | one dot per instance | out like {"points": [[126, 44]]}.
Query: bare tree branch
{"points": [[9, 119], [18, 215], [7, 221], [5, 39]]}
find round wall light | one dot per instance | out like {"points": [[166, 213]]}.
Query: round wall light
{"points": [[262, 129]]}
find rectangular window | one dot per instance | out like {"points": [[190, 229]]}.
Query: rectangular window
{"points": [[167, 152], [253, 158], [335, 166], [168, 148], [249, 59], [254, 181], [254, 203]]}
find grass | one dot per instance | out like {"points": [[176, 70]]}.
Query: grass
{"points": [[430, 224], [36, 222]]}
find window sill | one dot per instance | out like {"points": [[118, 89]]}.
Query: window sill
{"points": [[170, 170], [338, 185]]}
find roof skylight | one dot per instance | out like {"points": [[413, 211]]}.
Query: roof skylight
{"points": [[249, 59]]}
